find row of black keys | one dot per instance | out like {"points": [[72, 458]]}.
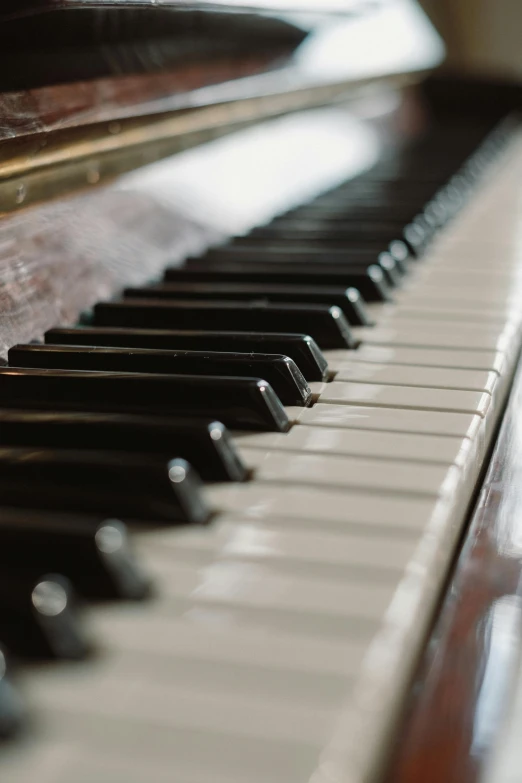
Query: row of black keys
{"points": [[395, 208], [90, 420]]}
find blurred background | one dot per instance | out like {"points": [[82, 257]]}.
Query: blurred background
{"points": [[482, 36]]}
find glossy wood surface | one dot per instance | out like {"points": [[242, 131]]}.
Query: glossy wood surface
{"points": [[323, 63], [57, 107], [462, 688]]}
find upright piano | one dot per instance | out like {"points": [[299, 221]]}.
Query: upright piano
{"points": [[260, 412]]}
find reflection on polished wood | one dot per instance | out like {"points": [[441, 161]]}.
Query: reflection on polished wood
{"points": [[43, 165], [54, 141], [53, 108], [462, 689]]}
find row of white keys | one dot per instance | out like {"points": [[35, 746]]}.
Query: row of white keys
{"points": [[402, 462], [435, 449], [456, 392], [256, 639]]}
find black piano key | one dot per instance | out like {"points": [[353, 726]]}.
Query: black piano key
{"points": [[392, 268], [401, 266], [12, 712], [207, 446], [240, 403], [94, 555], [327, 325], [281, 254], [294, 230], [281, 372], [400, 250], [383, 193], [368, 280], [377, 202], [322, 213], [324, 241], [127, 485], [38, 615], [273, 245], [301, 348], [348, 300], [345, 232], [417, 236], [293, 254]]}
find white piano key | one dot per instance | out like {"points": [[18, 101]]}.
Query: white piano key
{"points": [[461, 255], [174, 706], [289, 685], [403, 397], [270, 541], [493, 329], [422, 307], [317, 388], [254, 586], [445, 293], [473, 259], [249, 609], [444, 450], [418, 357], [392, 420], [406, 375], [473, 429], [417, 335], [483, 280], [294, 413], [409, 478], [505, 333], [216, 637], [333, 509], [415, 308], [85, 763], [188, 754]]}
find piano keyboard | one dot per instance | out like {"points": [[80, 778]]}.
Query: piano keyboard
{"points": [[288, 614]]}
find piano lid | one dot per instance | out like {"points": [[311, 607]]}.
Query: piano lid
{"points": [[98, 127], [17, 8], [49, 42], [381, 40], [44, 42]]}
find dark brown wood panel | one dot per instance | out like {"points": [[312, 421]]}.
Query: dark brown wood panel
{"points": [[461, 690], [57, 107]]}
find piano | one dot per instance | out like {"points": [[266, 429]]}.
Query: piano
{"points": [[260, 403]]}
